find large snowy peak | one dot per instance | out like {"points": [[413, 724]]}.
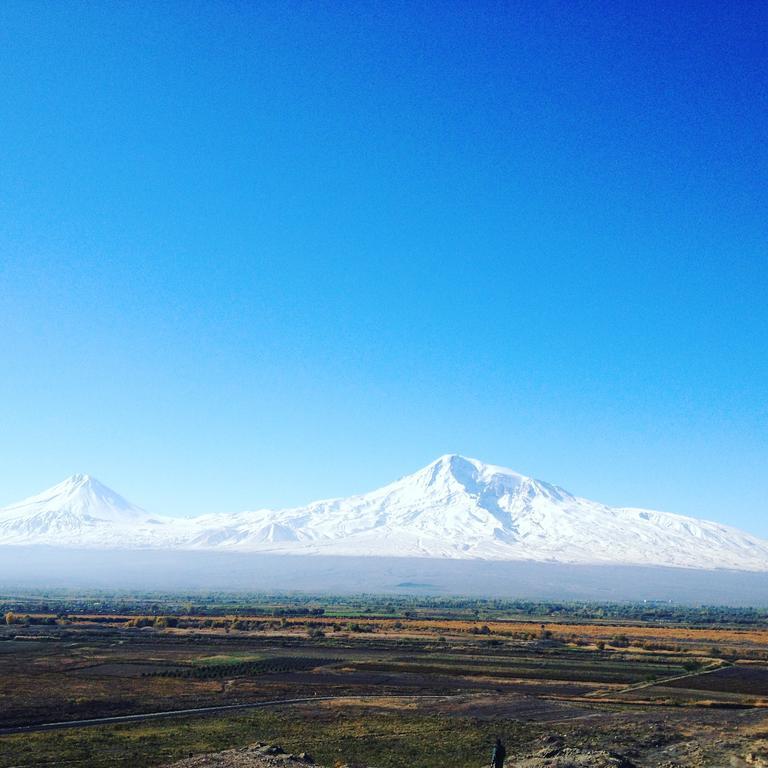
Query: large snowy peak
{"points": [[448, 507], [463, 508]]}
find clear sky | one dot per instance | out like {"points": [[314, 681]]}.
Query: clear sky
{"points": [[261, 253]]}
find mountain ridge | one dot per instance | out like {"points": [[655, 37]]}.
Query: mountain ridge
{"points": [[455, 507]]}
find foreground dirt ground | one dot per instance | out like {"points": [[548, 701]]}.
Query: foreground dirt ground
{"points": [[257, 755], [260, 755]]}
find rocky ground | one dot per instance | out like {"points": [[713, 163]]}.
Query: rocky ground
{"points": [[555, 754], [254, 756], [551, 751], [551, 755]]}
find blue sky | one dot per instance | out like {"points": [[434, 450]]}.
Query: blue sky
{"points": [[261, 253]]}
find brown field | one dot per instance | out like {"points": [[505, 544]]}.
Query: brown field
{"points": [[595, 630], [643, 692]]}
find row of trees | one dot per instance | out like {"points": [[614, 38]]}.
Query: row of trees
{"points": [[216, 604]]}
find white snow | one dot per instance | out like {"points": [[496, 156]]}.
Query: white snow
{"points": [[79, 510], [454, 508]]}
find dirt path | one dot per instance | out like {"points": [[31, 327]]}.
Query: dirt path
{"points": [[661, 681]]}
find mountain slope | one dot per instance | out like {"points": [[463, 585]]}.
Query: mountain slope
{"points": [[454, 508], [79, 510], [459, 507]]}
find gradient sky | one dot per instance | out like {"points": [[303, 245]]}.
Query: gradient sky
{"points": [[256, 254]]}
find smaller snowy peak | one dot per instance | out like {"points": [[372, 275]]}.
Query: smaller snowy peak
{"points": [[75, 481], [79, 497]]}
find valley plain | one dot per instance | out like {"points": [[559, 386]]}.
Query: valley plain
{"points": [[379, 681]]}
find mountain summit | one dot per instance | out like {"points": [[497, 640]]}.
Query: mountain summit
{"points": [[78, 510], [455, 507]]}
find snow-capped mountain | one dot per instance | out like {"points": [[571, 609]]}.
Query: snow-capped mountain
{"points": [[79, 510], [454, 508]]}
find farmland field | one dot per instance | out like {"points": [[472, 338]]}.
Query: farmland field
{"points": [[658, 692]]}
